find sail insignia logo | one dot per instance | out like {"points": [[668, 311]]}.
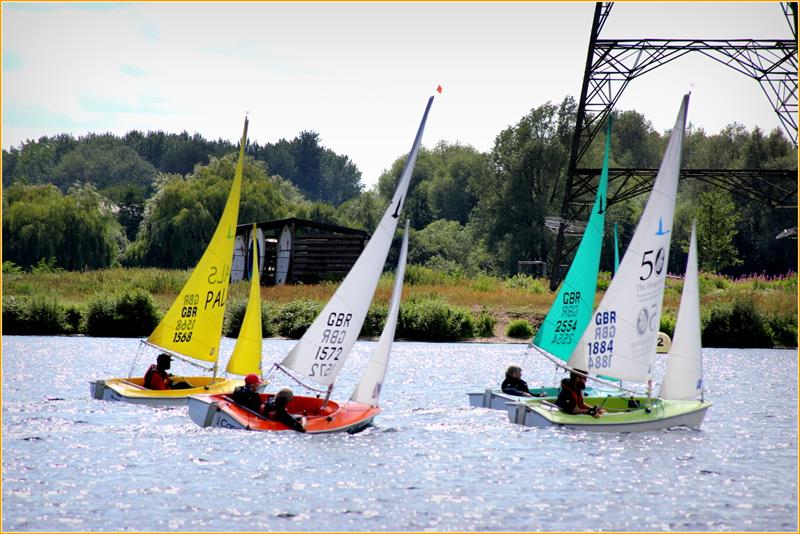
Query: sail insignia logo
{"points": [[641, 322], [661, 230]]}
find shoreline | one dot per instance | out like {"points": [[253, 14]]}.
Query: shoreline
{"points": [[727, 305]]}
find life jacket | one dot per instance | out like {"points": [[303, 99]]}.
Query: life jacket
{"points": [[574, 393], [148, 377]]}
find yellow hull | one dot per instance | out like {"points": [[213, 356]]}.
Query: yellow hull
{"points": [[131, 390]]}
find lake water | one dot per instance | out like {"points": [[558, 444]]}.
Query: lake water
{"points": [[430, 462]]}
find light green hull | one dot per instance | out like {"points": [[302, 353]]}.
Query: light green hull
{"points": [[624, 414], [495, 399]]}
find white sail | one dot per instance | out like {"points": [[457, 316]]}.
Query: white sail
{"points": [[684, 376], [620, 341], [323, 349], [369, 387]]}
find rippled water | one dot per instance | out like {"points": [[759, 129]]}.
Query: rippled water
{"points": [[430, 462]]}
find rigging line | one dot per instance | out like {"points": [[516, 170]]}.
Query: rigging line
{"points": [[179, 356], [136, 359], [290, 375], [587, 375]]}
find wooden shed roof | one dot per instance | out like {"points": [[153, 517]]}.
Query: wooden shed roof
{"points": [[277, 224]]}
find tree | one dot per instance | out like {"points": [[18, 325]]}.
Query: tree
{"points": [[33, 161], [180, 218], [454, 189], [363, 211], [341, 179], [529, 163], [318, 172], [308, 158], [77, 229], [445, 186], [717, 221], [104, 162], [130, 201], [450, 246]]}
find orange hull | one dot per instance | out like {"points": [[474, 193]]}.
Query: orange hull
{"points": [[220, 411]]}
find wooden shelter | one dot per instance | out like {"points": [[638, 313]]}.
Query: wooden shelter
{"points": [[293, 251]]}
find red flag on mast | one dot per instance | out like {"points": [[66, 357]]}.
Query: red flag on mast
{"points": [[439, 89]]}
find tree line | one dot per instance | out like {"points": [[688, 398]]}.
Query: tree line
{"points": [[125, 169], [153, 199]]}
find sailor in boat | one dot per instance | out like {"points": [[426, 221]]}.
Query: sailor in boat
{"points": [[247, 395], [157, 377], [514, 384], [276, 411], [570, 398]]}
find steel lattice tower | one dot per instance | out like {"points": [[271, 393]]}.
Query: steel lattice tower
{"points": [[611, 64]]}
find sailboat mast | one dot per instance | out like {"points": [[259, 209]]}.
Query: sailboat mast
{"points": [[328, 395]]}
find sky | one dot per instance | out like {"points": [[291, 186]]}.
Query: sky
{"points": [[357, 73]]}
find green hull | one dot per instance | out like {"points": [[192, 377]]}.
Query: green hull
{"points": [[625, 414]]}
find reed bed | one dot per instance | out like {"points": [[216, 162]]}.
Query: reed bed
{"points": [[479, 307]]}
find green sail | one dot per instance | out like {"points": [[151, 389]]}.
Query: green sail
{"points": [[571, 311], [616, 250]]}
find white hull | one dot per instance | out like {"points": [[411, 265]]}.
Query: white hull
{"points": [[525, 415], [492, 399], [204, 413]]}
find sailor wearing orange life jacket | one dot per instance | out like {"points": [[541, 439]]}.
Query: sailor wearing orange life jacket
{"points": [[157, 377]]}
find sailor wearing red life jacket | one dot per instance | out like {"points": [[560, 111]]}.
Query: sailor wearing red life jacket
{"points": [[157, 376]]}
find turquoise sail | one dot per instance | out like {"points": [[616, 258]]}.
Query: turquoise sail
{"points": [[616, 250], [571, 311]]}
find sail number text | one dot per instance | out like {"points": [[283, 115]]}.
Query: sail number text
{"points": [[652, 265], [185, 325], [563, 332], [330, 348], [599, 351]]}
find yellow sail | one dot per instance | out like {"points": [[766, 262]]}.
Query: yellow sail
{"points": [[246, 357], [193, 324]]}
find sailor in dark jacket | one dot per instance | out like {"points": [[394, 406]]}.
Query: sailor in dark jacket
{"points": [[247, 395], [570, 398], [514, 384], [276, 410]]}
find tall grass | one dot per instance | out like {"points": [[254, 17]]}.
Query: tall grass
{"points": [[60, 302]]}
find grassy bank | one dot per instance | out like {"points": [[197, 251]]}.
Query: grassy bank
{"points": [[748, 312]]}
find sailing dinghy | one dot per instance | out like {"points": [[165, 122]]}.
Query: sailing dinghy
{"points": [[322, 351], [321, 416], [571, 311], [191, 330], [621, 341]]}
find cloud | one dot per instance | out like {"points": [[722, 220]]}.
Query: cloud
{"points": [[36, 117], [47, 7], [148, 105], [11, 60], [349, 70], [132, 70], [149, 29]]}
